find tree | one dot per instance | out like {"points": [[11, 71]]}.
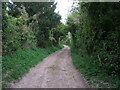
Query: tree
{"points": [[97, 33], [44, 17]]}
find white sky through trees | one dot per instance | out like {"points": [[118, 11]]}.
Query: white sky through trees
{"points": [[63, 7]]}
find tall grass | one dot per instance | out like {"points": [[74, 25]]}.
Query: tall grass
{"points": [[17, 64], [93, 73]]}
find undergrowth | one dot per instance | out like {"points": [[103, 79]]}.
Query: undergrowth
{"points": [[93, 73], [17, 64]]}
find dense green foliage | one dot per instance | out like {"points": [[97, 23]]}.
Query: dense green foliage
{"points": [[23, 29], [43, 16], [96, 76], [96, 31], [17, 34], [16, 65]]}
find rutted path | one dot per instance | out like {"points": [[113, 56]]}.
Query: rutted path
{"points": [[55, 71]]}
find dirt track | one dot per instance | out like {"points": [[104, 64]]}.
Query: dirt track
{"points": [[55, 71]]}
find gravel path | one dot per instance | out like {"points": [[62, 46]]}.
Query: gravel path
{"points": [[55, 71]]}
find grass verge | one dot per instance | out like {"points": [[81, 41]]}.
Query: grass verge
{"points": [[96, 77], [17, 64]]}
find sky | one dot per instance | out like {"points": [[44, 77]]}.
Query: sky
{"points": [[64, 7]]}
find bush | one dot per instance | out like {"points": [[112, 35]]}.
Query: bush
{"points": [[97, 33]]}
